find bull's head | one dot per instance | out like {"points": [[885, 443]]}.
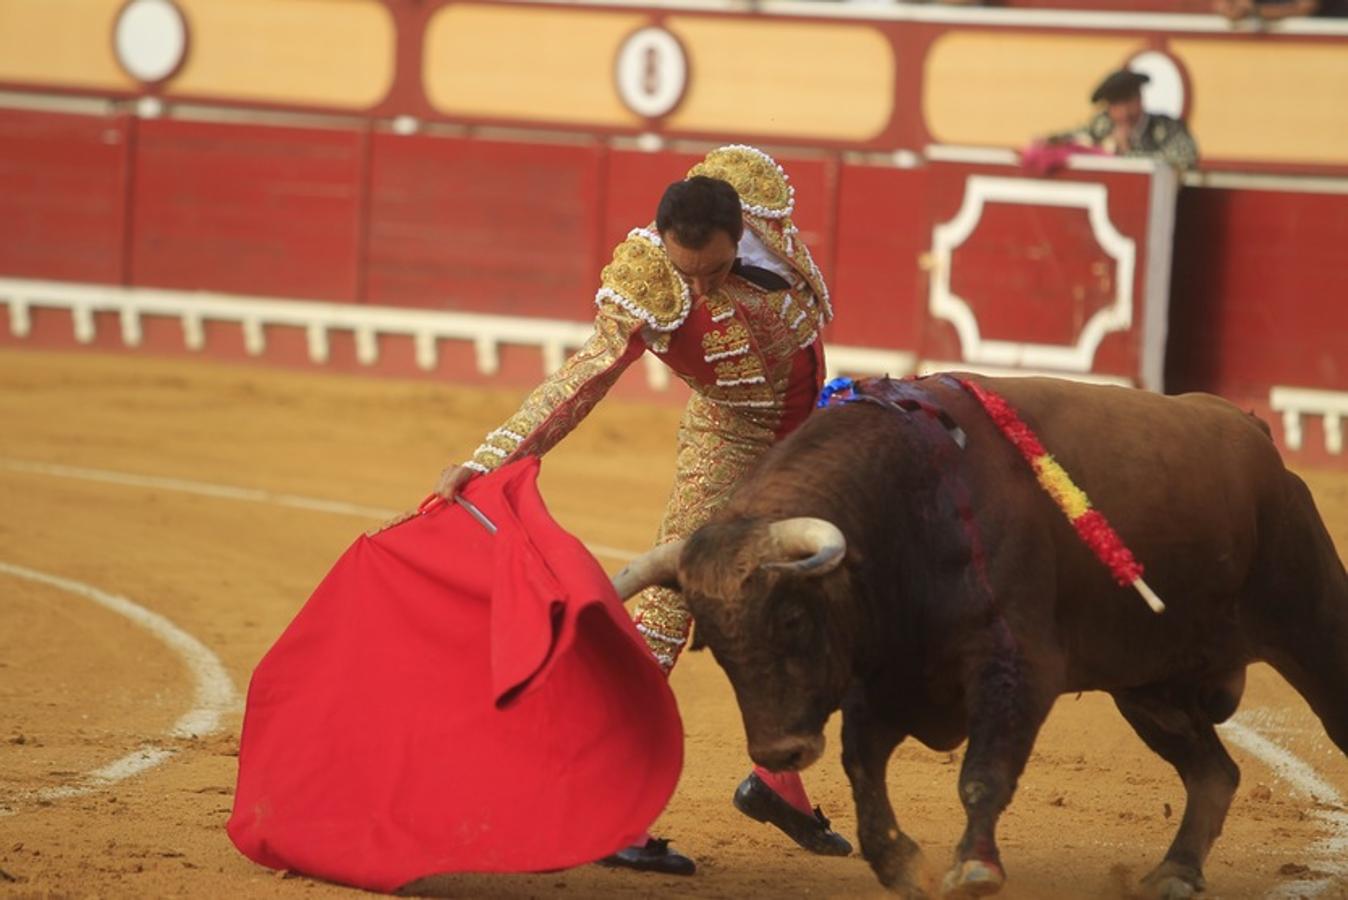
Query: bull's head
{"points": [[762, 595]]}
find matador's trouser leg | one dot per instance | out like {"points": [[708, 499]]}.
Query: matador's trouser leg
{"points": [[716, 446]]}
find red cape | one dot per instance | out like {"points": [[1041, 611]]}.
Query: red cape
{"points": [[450, 700]]}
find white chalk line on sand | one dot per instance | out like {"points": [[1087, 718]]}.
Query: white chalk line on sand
{"points": [[213, 693], [214, 690], [1329, 855], [233, 492], [1328, 852]]}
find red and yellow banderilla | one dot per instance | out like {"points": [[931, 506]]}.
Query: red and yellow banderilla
{"points": [[1091, 526]]}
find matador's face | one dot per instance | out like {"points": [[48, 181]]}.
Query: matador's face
{"points": [[705, 268]]}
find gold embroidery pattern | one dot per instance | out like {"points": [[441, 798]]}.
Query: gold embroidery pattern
{"points": [[641, 280], [722, 343], [719, 440], [719, 306], [557, 405], [716, 446], [768, 200], [741, 370], [762, 184], [782, 238]]}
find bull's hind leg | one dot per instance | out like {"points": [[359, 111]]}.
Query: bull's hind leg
{"points": [[868, 742], [1177, 725]]}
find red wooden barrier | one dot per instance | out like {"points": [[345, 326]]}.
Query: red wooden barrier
{"points": [[63, 183], [484, 226], [247, 209], [1259, 291]]}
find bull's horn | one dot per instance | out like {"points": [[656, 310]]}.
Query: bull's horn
{"points": [[811, 546], [656, 566]]}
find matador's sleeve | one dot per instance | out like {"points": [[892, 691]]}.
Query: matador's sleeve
{"points": [[642, 299]]}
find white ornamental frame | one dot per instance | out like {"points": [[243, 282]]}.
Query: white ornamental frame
{"points": [[981, 190]]}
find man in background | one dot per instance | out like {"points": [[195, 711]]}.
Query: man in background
{"points": [[1121, 127], [1275, 10]]}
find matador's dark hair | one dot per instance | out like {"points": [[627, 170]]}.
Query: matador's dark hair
{"points": [[695, 209]]}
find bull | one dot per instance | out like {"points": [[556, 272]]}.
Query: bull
{"points": [[907, 568]]}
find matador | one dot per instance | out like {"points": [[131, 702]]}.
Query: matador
{"points": [[722, 288]]}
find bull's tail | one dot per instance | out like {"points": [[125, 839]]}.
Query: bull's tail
{"points": [[1303, 597]]}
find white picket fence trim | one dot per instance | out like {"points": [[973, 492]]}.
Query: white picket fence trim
{"points": [[555, 338]]}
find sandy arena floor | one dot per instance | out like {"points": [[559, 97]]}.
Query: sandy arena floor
{"points": [[83, 439]]}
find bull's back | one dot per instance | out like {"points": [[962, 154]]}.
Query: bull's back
{"points": [[1184, 480]]}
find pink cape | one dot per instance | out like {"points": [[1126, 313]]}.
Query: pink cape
{"points": [[1045, 158], [450, 700]]}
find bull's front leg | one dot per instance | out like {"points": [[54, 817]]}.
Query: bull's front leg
{"points": [[1006, 708], [868, 743]]}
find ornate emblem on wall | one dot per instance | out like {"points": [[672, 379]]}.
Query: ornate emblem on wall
{"points": [[150, 38], [651, 72], [1078, 355]]}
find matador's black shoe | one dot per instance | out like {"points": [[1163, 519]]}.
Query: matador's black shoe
{"points": [[652, 856], [758, 801]]}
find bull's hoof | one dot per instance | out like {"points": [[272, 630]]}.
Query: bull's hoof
{"points": [[972, 878], [907, 875], [1173, 881]]}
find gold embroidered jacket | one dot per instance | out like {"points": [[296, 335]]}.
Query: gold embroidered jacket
{"points": [[733, 347]]}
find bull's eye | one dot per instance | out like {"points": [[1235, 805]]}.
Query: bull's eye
{"points": [[794, 625]]}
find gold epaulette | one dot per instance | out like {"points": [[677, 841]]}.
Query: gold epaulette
{"points": [[641, 280], [768, 201], [761, 183]]}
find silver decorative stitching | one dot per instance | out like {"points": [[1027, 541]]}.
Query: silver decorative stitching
{"points": [[505, 432], [640, 312], [660, 635], [726, 354]]}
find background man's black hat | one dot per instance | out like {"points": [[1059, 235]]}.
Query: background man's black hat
{"points": [[1119, 85]]}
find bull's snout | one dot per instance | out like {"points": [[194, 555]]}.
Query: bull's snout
{"points": [[788, 754]]}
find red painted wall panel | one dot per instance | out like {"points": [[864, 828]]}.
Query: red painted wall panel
{"points": [[1258, 294], [62, 189], [484, 226], [882, 234], [248, 209], [635, 181]]}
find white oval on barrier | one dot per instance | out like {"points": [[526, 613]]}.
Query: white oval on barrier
{"points": [[150, 39], [651, 72], [1165, 92]]}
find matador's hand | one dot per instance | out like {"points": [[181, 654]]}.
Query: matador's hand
{"points": [[452, 479]]}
